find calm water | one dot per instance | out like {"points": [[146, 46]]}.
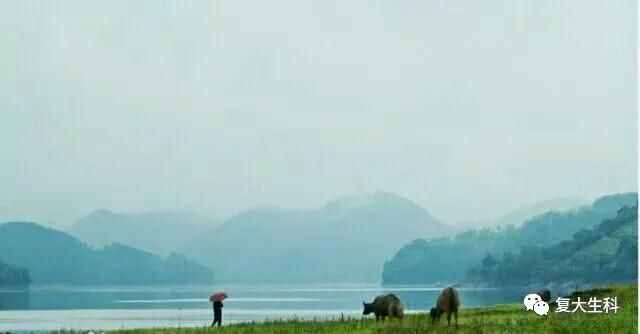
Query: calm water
{"points": [[51, 308]]}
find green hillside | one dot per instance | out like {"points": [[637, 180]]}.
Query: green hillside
{"points": [[11, 276], [606, 253], [450, 259], [54, 257]]}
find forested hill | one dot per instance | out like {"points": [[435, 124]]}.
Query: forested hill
{"points": [[54, 257], [448, 260], [606, 253], [12, 276]]}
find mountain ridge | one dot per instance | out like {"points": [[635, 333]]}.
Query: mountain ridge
{"points": [[605, 253], [54, 257], [367, 228], [414, 262], [171, 229]]}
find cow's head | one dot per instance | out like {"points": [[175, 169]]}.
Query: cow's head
{"points": [[435, 314], [367, 308]]}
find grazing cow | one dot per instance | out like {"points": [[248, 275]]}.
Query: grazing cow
{"points": [[385, 306], [448, 302]]}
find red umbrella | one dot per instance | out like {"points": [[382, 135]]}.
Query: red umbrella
{"points": [[218, 297]]}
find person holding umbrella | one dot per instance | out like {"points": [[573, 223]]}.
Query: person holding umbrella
{"points": [[217, 299]]}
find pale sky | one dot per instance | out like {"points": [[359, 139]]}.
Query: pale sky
{"points": [[469, 108]]}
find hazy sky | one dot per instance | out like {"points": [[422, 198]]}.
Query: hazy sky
{"points": [[469, 108]]}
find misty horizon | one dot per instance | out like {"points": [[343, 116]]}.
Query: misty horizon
{"points": [[558, 204], [217, 107]]}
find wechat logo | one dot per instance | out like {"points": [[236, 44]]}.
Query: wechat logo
{"points": [[533, 302]]}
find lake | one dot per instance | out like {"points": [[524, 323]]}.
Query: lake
{"points": [[43, 308]]}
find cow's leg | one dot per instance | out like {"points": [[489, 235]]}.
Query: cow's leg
{"points": [[448, 318], [455, 314]]}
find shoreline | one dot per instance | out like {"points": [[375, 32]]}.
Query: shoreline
{"points": [[488, 319], [491, 319]]}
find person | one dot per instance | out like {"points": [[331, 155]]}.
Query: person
{"points": [[217, 313]]}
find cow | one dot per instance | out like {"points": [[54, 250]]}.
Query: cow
{"points": [[448, 302], [388, 305]]}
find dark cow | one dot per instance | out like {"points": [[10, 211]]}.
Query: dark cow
{"points": [[388, 305], [448, 302]]}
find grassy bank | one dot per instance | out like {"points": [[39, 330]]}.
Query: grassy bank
{"points": [[498, 319]]}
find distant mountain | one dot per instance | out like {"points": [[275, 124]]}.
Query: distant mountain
{"points": [[606, 253], [347, 240], [54, 257], [525, 213], [12, 276], [450, 259], [170, 230]]}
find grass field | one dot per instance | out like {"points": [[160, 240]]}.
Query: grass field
{"points": [[498, 319]]}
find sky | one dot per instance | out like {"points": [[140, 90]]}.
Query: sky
{"points": [[469, 108]]}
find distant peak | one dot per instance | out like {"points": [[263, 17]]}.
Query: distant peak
{"points": [[376, 198], [102, 212], [100, 215], [616, 200], [387, 196]]}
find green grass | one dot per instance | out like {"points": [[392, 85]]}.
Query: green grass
{"points": [[498, 319]]}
